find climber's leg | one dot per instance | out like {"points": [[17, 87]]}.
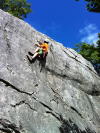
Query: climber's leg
{"points": [[35, 55], [45, 54], [38, 52], [37, 49], [29, 58], [30, 53]]}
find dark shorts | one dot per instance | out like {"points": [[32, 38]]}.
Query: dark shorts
{"points": [[40, 52]]}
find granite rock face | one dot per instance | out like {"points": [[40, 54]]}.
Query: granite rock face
{"points": [[58, 95]]}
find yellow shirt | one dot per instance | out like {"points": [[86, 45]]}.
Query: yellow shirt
{"points": [[45, 47]]}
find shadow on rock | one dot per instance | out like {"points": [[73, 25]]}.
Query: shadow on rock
{"points": [[97, 68], [69, 127], [7, 127]]}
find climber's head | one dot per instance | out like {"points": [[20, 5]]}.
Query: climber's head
{"points": [[46, 41]]}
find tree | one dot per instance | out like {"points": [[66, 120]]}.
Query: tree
{"points": [[92, 5], [98, 42], [91, 53], [18, 8]]}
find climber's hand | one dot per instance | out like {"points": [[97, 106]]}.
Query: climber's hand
{"points": [[39, 42], [36, 44]]}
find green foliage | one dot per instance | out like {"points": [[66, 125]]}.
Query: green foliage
{"points": [[18, 8], [92, 5], [98, 43], [90, 52]]}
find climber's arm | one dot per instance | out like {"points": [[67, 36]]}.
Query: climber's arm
{"points": [[37, 45]]}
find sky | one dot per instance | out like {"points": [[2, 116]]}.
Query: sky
{"points": [[65, 21]]}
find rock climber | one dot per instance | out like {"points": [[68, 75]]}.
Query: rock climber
{"points": [[41, 51]]}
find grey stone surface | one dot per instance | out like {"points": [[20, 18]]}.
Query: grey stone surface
{"points": [[61, 95]]}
